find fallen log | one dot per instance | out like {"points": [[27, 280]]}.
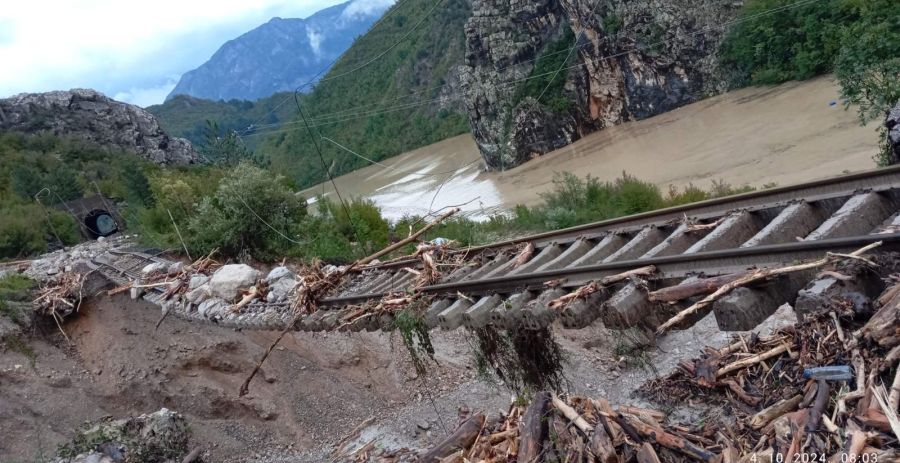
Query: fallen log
{"points": [[601, 445], [693, 288], [646, 454], [406, 240], [571, 415], [774, 411], [668, 440], [461, 439], [884, 327], [744, 363], [754, 276], [534, 429]]}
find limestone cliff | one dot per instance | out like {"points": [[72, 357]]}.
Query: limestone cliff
{"points": [[90, 115], [632, 59]]}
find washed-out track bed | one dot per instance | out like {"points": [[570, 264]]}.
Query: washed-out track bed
{"points": [[489, 285]]}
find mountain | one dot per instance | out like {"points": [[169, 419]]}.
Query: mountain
{"points": [[281, 54], [396, 89], [89, 115]]}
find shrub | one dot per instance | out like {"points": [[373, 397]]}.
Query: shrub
{"points": [[364, 225], [252, 211], [25, 230]]}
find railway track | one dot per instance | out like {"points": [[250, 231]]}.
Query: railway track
{"points": [[712, 238]]}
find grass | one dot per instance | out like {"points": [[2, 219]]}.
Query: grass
{"points": [[15, 287]]}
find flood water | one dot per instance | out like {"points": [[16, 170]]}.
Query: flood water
{"points": [[791, 133]]}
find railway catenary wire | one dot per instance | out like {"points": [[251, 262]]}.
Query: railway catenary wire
{"points": [[758, 229]]}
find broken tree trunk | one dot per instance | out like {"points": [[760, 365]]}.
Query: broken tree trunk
{"points": [[407, 240], [693, 288], [647, 455], [534, 429], [770, 413], [668, 440], [461, 439], [884, 327]]}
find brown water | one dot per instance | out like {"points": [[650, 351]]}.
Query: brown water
{"points": [[784, 135]]}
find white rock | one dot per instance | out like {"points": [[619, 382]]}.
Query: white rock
{"points": [[101, 239], [153, 268], [279, 290], [198, 294], [198, 281], [278, 273], [227, 282], [175, 268]]}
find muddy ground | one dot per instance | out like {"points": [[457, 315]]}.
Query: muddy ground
{"points": [[313, 390]]}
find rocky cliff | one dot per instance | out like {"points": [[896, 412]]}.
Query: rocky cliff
{"points": [[630, 60], [281, 54], [90, 115], [892, 134]]}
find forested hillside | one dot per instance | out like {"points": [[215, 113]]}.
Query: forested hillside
{"points": [[187, 116], [379, 99]]}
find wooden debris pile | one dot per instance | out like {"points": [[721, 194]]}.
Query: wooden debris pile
{"points": [[577, 430], [816, 389], [60, 297]]}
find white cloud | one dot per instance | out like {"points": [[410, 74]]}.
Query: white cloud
{"points": [[122, 47], [365, 8], [144, 97], [315, 40]]}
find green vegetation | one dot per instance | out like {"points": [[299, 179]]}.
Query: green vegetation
{"points": [[548, 63], [189, 117], [247, 211], [858, 40], [363, 103], [379, 108]]}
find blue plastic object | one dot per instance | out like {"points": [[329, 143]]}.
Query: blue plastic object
{"points": [[829, 373]]}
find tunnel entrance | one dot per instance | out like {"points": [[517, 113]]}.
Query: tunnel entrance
{"points": [[100, 223]]}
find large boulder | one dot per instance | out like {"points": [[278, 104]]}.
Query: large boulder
{"points": [[90, 115], [229, 280], [892, 127]]}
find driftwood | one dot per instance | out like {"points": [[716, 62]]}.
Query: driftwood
{"points": [[646, 454], [774, 411], [524, 255], [754, 276], [668, 440], [693, 288], [461, 439], [884, 327], [572, 415], [408, 239], [534, 429], [744, 363], [594, 286], [601, 444]]}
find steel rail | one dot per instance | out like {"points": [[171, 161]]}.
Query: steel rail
{"points": [[721, 261], [875, 179]]}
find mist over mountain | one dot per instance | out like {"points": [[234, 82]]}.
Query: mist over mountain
{"points": [[280, 55]]}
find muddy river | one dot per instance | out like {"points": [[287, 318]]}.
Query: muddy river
{"points": [[791, 133]]}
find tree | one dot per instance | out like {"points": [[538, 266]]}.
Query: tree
{"points": [[252, 210], [868, 65], [63, 183], [25, 181]]}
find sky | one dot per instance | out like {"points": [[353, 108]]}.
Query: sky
{"points": [[131, 51]]}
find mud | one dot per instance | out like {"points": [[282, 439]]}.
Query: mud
{"points": [[785, 134], [313, 390]]}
